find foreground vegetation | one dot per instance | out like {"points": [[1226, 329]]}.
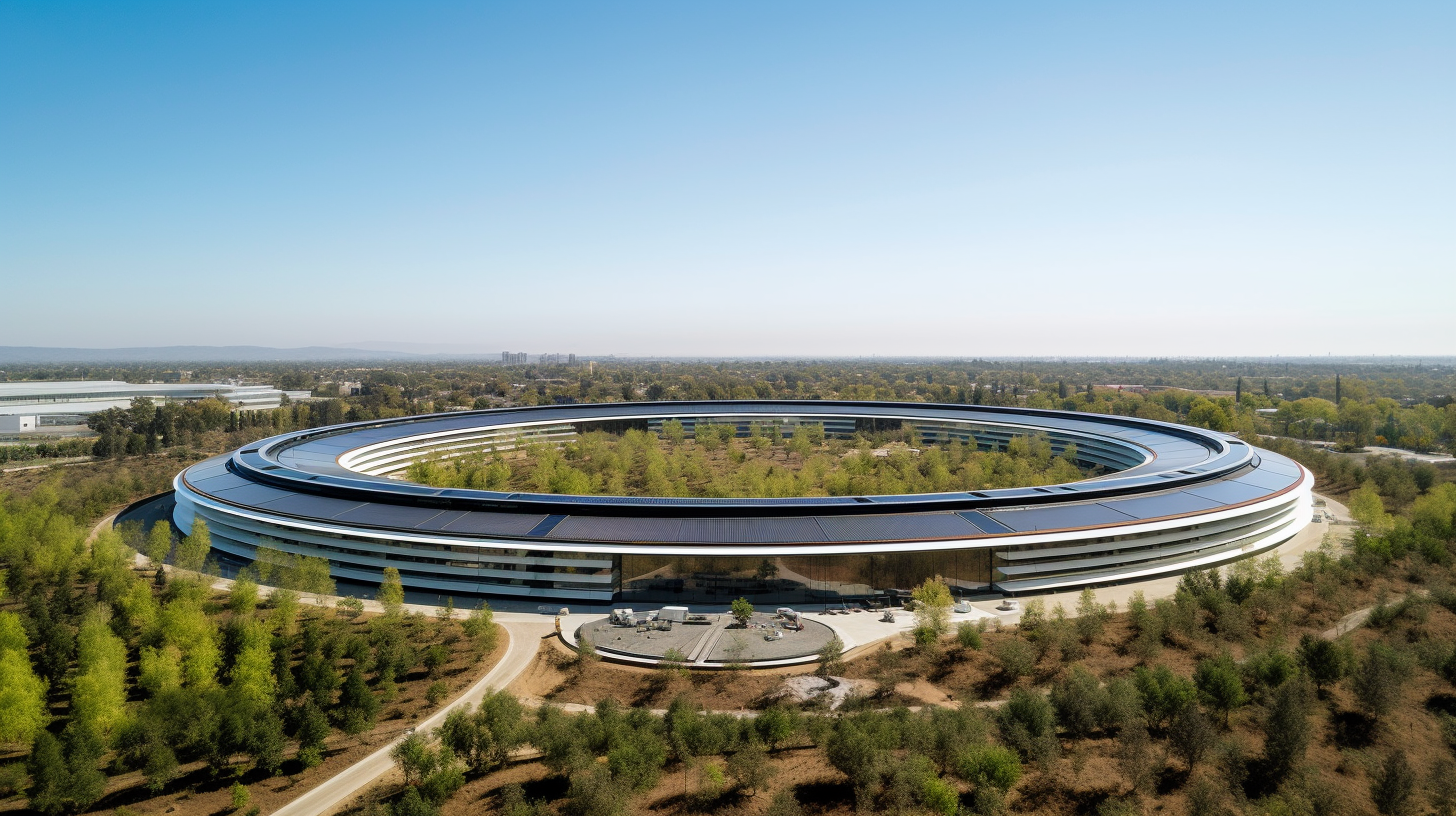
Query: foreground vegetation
{"points": [[119, 684]]}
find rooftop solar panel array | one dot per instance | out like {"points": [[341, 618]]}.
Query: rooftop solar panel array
{"points": [[1187, 471]]}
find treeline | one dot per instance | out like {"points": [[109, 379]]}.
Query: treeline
{"points": [[1397, 480], [1397, 404], [106, 671], [767, 463], [210, 424], [60, 449]]}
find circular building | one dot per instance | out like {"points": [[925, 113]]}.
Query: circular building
{"points": [[1173, 499]]}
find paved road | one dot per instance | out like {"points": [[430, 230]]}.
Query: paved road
{"points": [[524, 638]]}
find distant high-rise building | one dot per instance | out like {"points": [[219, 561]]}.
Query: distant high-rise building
{"points": [[513, 358], [571, 359]]}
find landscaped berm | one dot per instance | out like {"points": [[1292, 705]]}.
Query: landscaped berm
{"points": [[710, 640]]}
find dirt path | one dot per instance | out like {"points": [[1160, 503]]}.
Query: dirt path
{"points": [[1356, 619]]}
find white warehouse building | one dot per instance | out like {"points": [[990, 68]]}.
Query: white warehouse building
{"points": [[30, 406]]}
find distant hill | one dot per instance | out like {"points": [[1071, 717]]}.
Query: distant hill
{"points": [[193, 354]]}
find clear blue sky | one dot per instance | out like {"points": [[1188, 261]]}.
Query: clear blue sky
{"points": [[687, 178]]}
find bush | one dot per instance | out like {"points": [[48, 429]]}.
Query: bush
{"points": [[939, 797], [1028, 724], [990, 765], [1079, 701], [784, 804], [436, 692], [1164, 694], [968, 635], [1015, 657]]}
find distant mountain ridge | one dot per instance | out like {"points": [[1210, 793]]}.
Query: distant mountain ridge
{"points": [[194, 354]]}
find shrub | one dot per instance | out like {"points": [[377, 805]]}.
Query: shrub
{"points": [[939, 797], [1028, 724], [1015, 657], [1164, 694], [990, 765], [968, 635]]}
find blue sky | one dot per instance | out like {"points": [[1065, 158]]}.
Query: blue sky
{"points": [[686, 179]]}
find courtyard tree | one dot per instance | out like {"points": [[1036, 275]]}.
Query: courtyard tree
{"points": [[742, 611]]}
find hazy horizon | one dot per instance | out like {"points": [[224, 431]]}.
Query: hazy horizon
{"points": [[814, 181]]}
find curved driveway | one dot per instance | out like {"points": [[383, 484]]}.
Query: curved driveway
{"points": [[523, 639]]}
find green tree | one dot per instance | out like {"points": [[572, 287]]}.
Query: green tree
{"points": [[831, 657], [243, 597], [742, 611], [313, 729], [350, 607], [1015, 657], [49, 777], [1029, 725], [775, 725], [314, 577], [1219, 686], [391, 593], [968, 635], [1286, 729], [1379, 679], [1092, 616], [357, 705], [23, 710], [193, 551], [1394, 785], [479, 626], [1367, 508], [990, 765], [98, 693], [750, 768], [1191, 736], [1165, 695], [933, 603], [284, 617], [1326, 662], [159, 543]]}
